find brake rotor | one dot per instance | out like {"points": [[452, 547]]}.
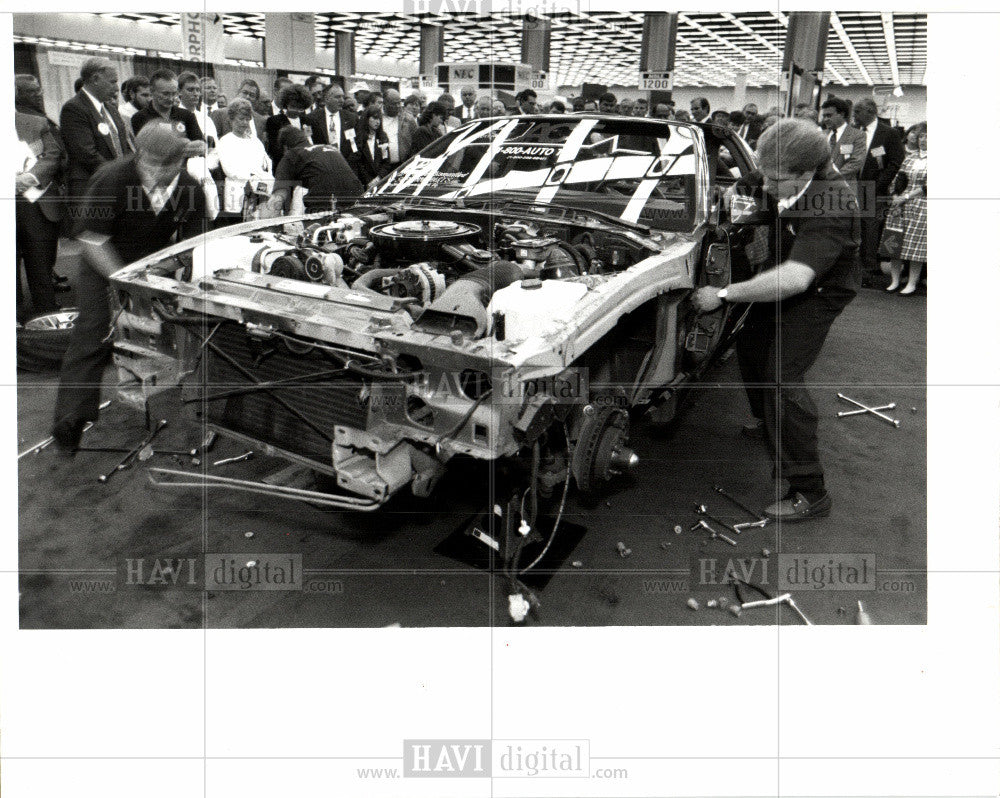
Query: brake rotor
{"points": [[601, 452]]}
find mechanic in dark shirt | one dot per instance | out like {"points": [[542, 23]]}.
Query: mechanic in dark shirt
{"points": [[815, 239], [134, 206], [319, 168]]}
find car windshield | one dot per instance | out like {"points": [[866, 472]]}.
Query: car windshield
{"points": [[640, 171]]}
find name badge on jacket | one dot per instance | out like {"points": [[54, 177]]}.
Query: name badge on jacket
{"points": [[846, 149], [878, 152]]}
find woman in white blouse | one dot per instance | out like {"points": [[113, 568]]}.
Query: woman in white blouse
{"points": [[243, 159]]}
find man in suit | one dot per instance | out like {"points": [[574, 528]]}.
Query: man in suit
{"points": [[163, 108], [94, 133], [189, 92], [700, 109], [316, 86], [883, 157], [399, 128], [847, 143], [527, 102], [332, 123], [279, 86], [467, 110], [39, 209], [752, 125], [210, 94]]}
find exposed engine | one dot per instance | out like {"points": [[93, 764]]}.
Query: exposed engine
{"points": [[450, 274]]}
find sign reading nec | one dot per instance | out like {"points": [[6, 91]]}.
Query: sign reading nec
{"points": [[465, 73], [443, 758]]}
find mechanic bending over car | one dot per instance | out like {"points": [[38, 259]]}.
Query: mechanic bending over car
{"points": [[133, 208], [815, 237]]}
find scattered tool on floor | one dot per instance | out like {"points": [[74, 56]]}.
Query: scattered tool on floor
{"points": [[761, 520], [623, 550], [701, 509], [237, 459], [715, 534], [751, 525], [873, 410], [693, 603], [127, 459], [767, 601], [149, 451], [843, 413], [206, 443], [862, 618]]}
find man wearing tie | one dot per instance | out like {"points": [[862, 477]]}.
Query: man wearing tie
{"points": [[331, 123], [467, 110], [94, 133], [884, 155], [846, 143]]}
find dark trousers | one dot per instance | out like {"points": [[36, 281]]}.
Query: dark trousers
{"points": [[778, 345], [872, 225], [37, 242], [83, 365]]}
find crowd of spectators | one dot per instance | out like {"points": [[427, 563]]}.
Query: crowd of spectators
{"points": [[346, 137]]}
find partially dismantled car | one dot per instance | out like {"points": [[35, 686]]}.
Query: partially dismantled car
{"points": [[516, 291]]}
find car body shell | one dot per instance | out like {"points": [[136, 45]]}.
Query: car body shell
{"points": [[406, 428]]}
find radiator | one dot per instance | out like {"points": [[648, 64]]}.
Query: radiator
{"points": [[334, 401]]}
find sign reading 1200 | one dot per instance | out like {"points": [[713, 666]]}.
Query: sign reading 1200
{"points": [[656, 81]]}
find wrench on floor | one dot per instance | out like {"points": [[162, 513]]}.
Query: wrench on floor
{"points": [[872, 410], [127, 460]]}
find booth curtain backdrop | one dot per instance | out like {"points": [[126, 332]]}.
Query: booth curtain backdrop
{"points": [[57, 80]]}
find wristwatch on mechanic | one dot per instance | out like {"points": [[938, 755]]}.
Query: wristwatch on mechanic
{"points": [[723, 294]]}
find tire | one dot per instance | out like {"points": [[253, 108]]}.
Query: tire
{"points": [[43, 340]]}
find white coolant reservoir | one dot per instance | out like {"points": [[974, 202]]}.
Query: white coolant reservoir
{"points": [[231, 252], [530, 308]]}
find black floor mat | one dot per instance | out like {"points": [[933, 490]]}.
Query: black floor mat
{"points": [[462, 547]]}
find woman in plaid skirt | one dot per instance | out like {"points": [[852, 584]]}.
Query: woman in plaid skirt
{"points": [[908, 215]]}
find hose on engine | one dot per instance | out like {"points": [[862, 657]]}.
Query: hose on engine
{"points": [[369, 277]]}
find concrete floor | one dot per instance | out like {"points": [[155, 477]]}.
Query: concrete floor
{"points": [[379, 569]]}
